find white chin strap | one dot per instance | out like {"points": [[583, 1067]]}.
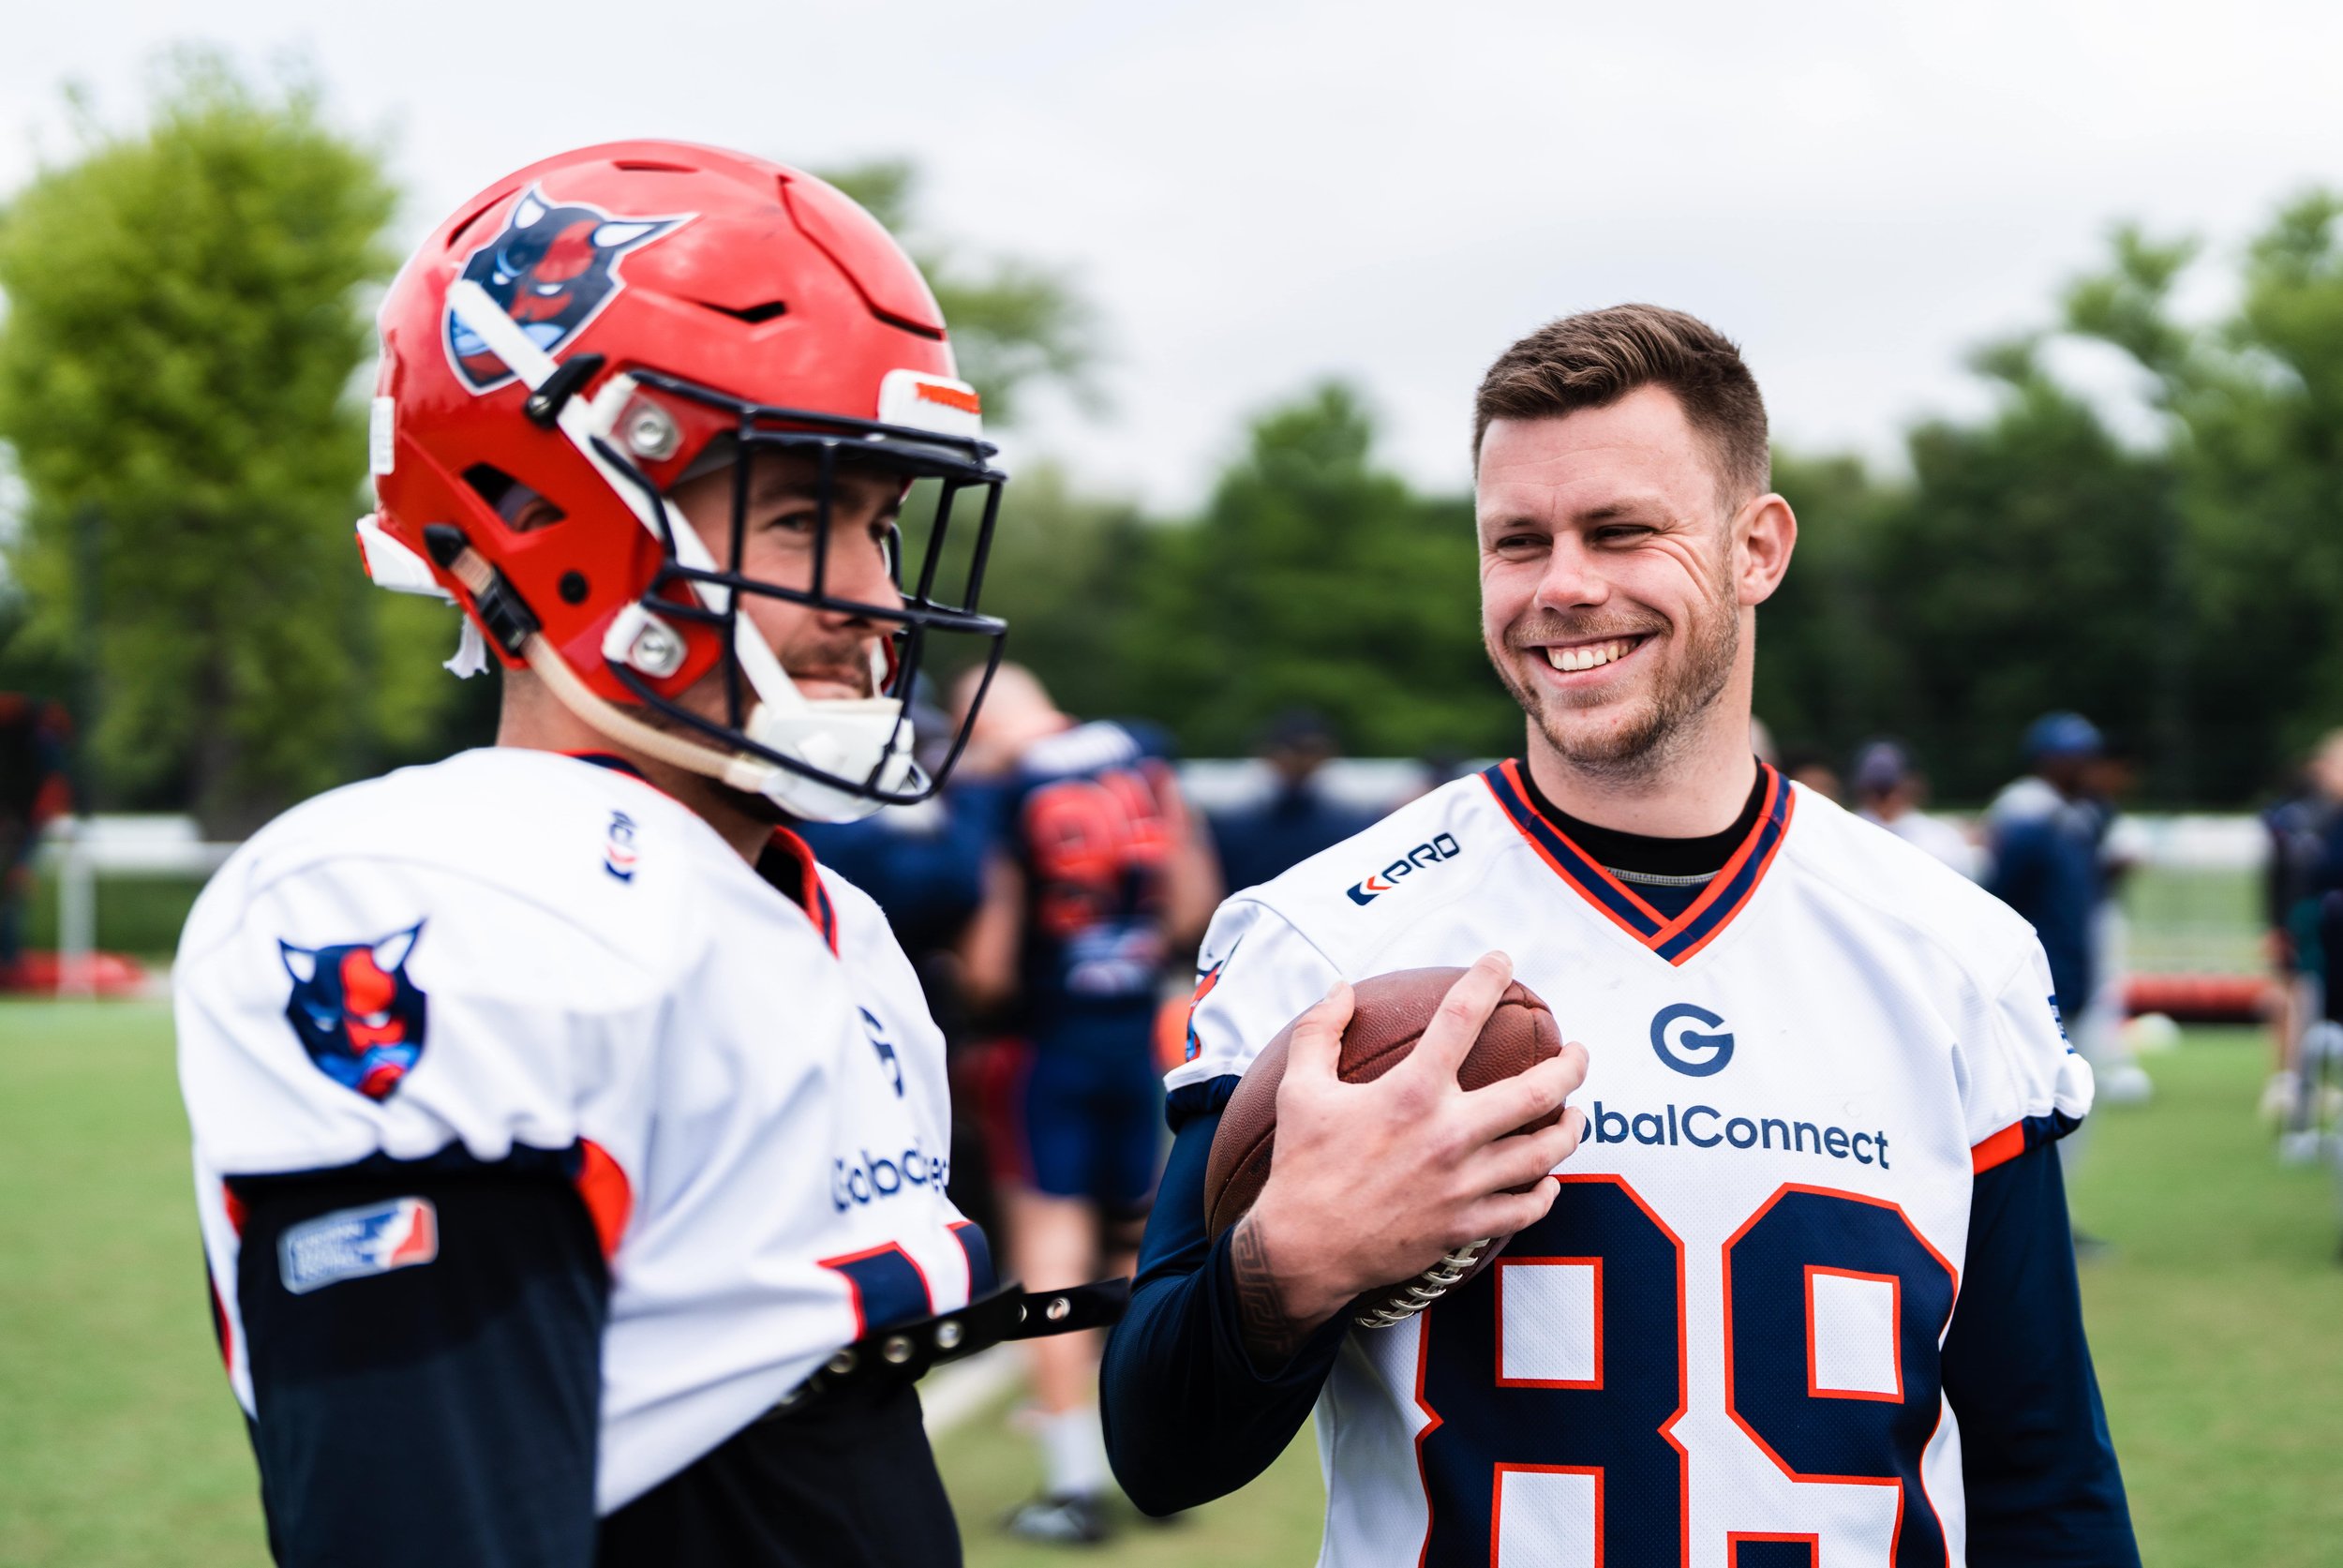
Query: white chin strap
{"points": [[852, 738]]}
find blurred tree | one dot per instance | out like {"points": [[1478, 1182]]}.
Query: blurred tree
{"points": [[183, 326], [26, 665], [1315, 579], [1061, 566], [1827, 671], [1015, 324], [2266, 493], [2252, 655], [2023, 572]]}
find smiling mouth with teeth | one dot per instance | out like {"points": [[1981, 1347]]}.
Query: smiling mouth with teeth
{"points": [[1592, 655]]}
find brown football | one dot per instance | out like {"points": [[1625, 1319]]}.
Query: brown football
{"points": [[1389, 1015]]}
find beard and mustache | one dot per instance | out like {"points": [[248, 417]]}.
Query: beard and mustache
{"points": [[1651, 737]]}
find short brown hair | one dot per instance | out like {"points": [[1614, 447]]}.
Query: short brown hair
{"points": [[1595, 358]]}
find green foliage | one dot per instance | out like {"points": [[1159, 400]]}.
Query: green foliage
{"points": [[2189, 595], [1826, 666], [1015, 323], [2253, 635], [2025, 570], [2266, 482], [1060, 562], [1315, 579], [27, 664], [2129, 303], [184, 321]]}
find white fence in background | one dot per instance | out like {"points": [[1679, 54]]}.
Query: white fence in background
{"points": [[1361, 782], [2181, 842], [2197, 841], [77, 852]]}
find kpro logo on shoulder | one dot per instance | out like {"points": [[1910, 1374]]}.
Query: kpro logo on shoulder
{"points": [[1444, 847], [1690, 1051], [350, 1244]]}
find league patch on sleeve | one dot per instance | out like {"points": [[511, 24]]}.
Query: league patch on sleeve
{"points": [[350, 1244]]}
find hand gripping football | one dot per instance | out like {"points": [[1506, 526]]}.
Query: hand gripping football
{"points": [[1389, 1015]]}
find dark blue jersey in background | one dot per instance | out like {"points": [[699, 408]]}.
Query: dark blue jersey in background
{"points": [[1085, 820]]}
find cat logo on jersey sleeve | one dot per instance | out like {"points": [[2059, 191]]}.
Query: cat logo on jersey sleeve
{"points": [[357, 1014]]}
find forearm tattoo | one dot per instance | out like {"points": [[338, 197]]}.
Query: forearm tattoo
{"points": [[1269, 1332]]}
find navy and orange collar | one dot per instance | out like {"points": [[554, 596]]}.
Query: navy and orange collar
{"points": [[789, 865], [1674, 939]]}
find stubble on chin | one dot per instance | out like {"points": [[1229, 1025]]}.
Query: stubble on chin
{"points": [[1642, 742]]}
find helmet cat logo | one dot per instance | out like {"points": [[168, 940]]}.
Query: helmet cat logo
{"points": [[356, 1011], [552, 268], [1443, 847], [1689, 1050]]}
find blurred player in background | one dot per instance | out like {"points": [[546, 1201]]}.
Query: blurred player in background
{"points": [[1730, 1331], [2300, 828], [2044, 846], [33, 792], [1813, 771], [1100, 884], [1891, 791], [2311, 1126], [570, 1144], [2042, 850], [1298, 818]]}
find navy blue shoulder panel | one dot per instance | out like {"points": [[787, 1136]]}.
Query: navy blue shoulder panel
{"points": [[425, 1345]]}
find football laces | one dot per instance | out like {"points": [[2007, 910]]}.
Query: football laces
{"points": [[1425, 1287]]}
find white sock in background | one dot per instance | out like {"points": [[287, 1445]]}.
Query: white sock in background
{"points": [[1073, 1453]]}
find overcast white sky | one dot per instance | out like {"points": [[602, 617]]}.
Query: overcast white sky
{"points": [[1259, 193]]}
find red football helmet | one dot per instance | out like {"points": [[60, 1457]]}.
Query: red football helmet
{"points": [[596, 327]]}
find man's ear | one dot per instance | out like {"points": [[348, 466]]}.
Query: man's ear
{"points": [[1768, 531]]}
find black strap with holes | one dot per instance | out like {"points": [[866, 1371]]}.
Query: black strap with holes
{"points": [[906, 1352]]}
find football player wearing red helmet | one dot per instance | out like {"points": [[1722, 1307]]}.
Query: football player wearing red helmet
{"points": [[601, 340], [571, 1147]]}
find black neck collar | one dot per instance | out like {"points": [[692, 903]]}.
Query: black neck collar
{"points": [[1642, 853]]}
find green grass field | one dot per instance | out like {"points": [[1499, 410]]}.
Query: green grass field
{"points": [[2213, 1320]]}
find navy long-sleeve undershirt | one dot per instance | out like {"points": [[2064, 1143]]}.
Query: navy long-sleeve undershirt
{"points": [[1189, 1417]]}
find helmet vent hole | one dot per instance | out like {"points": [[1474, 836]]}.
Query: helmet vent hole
{"points": [[915, 328], [653, 166], [520, 509], [572, 588], [464, 228], [753, 314]]}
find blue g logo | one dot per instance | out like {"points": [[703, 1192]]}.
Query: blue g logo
{"points": [[1690, 1051]]}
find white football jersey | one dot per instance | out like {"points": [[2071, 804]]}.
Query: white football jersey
{"points": [[1721, 1345], [515, 949]]}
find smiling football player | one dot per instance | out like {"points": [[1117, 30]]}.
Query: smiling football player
{"points": [[1802, 1291]]}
